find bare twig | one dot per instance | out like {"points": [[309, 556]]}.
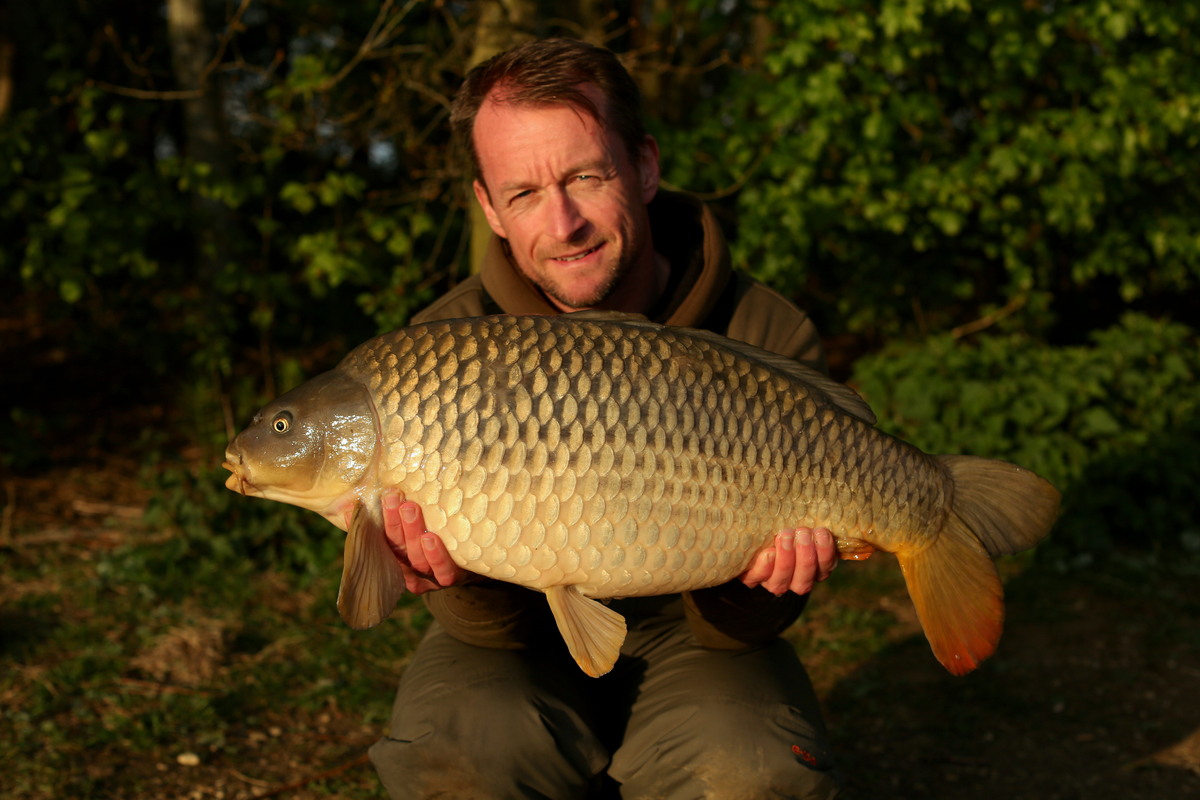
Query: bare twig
{"points": [[10, 508], [156, 688], [989, 320], [146, 94], [381, 30], [105, 538], [96, 508], [110, 33], [233, 27], [731, 188], [244, 778]]}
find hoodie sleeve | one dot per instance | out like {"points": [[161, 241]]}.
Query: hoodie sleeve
{"points": [[766, 319]]}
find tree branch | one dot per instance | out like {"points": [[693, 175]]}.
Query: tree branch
{"points": [[232, 27], [989, 320], [381, 31]]}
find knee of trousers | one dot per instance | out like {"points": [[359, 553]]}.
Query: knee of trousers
{"points": [[729, 751], [489, 741]]}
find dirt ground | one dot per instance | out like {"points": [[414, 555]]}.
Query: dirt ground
{"points": [[1093, 695]]}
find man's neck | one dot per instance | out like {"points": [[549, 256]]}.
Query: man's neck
{"points": [[642, 289]]}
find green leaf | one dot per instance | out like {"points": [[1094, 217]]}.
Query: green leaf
{"points": [[298, 197]]}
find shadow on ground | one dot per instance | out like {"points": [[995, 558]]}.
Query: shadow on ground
{"points": [[1093, 695]]}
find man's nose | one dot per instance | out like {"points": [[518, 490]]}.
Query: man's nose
{"points": [[566, 218]]}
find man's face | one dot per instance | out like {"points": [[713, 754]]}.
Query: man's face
{"points": [[565, 194]]}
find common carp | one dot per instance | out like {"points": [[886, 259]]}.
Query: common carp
{"points": [[597, 455]]}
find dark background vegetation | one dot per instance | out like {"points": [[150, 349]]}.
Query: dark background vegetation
{"points": [[990, 208]]}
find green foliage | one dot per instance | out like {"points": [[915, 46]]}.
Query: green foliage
{"points": [[1113, 424], [215, 529], [904, 166], [302, 196], [916, 164]]}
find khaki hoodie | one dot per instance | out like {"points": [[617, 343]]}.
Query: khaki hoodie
{"points": [[703, 292]]}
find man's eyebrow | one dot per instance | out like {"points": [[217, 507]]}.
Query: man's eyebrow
{"points": [[594, 165]]}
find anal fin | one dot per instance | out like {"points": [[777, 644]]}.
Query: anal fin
{"points": [[854, 549], [593, 632], [372, 581]]}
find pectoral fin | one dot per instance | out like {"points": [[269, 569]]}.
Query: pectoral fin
{"points": [[372, 581], [594, 632]]}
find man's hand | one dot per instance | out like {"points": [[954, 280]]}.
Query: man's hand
{"points": [[424, 559], [797, 562]]}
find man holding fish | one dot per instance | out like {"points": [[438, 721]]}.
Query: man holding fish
{"points": [[706, 700]]}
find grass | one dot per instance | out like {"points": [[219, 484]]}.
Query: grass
{"points": [[142, 662]]}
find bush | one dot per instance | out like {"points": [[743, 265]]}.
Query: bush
{"points": [[911, 165], [1114, 424], [213, 533]]}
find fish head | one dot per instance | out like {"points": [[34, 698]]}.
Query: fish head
{"points": [[314, 447]]}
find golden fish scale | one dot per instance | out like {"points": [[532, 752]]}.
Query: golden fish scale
{"points": [[626, 461]]}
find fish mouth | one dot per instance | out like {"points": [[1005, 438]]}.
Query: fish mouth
{"points": [[237, 480]]}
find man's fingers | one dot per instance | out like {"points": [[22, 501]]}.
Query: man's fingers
{"points": [[393, 526], [441, 566], [412, 522], [760, 568], [785, 564], [424, 559], [804, 577], [827, 553], [795, 562]]}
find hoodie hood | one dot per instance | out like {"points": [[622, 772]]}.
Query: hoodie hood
{"points": [[683, 230]]}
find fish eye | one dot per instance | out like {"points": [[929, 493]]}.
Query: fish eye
{"points": [[282, 423]]}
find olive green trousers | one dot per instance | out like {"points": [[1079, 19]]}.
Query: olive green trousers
{"points": [[672, 721]]}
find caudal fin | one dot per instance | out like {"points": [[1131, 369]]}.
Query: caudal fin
{"points": [[1008, 508], [998, 509]]}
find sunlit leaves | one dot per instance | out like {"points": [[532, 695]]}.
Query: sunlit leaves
{"points": [[1034, 144], [1057, 410]]}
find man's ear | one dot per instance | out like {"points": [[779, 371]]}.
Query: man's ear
{"points": [[485, 202], [648, 169]]}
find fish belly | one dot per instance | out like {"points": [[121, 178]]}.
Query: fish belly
{"points": [[623, 460]]}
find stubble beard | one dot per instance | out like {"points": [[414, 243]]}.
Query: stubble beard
{"points": [[597, 294], [626, 263]]}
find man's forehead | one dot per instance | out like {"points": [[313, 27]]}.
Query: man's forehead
{"points": [[505, 98], [524, 131]]}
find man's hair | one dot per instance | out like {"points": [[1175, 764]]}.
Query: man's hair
{"points": [[552, 72]]}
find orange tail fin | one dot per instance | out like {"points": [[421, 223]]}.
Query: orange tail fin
{"points": [[998, 508], [958, 597]]}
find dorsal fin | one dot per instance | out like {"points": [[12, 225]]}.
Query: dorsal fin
{"points": [[839, 394], [604, 315]]}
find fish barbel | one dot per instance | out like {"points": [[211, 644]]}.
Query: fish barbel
{"points": [[597, 455]]}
